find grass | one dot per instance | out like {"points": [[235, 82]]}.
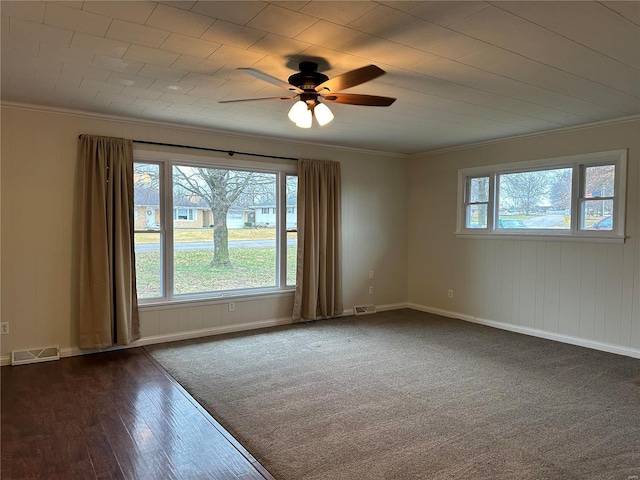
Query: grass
{"points": [[252, 268]]}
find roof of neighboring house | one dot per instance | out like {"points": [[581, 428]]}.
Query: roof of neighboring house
{"points": [[150, 197], [292, 201]]}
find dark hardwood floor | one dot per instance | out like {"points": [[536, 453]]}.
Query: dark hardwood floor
{"points": [[115, 415]]}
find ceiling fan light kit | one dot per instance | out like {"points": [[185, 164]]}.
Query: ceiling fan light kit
{"points": [[310, 86]]}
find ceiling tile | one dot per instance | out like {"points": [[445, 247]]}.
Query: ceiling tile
{"points": [[337, 12], [273, 44], [197, 65], [235, 57], [282, 21], [151, 55], [77, 20], [105, 46], [189, 46], [101, 86], [629, 10], [74, 71], [131, 11], [138, 34], [114, 64], [151, 103], [183, 4], [326, 33], [141, 93], [232, 34], [178, 98], [162, 73], [64, 54], [205, 81], [130, 80], [179, 21], [29, 31], [77, 4], [29, 11], [231, 11], [171, 87], [442, 13], [587, 23]]}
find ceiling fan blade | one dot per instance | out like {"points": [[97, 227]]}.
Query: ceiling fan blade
{"points": [[270, 79], [351, 79], [357, 99], [254, 99]]}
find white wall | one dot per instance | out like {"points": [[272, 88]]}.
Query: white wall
{"points": [[39, 155], [583, 293]]}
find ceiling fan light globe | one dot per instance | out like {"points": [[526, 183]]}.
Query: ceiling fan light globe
{"points": [[297, 112], [305, 120], [323, 114]]}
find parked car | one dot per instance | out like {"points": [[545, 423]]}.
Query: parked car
{"points": [[511, 223], [605, 224]]}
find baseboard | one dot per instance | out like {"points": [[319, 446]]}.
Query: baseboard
{"points": [[558, 337], [188, 335], [5, 360]]}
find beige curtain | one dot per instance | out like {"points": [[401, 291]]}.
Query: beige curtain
{"points": [[107, 307], [319, 271]]}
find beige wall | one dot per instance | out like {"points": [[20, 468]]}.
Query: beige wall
{"points": [[585, 293], [39, 152]]}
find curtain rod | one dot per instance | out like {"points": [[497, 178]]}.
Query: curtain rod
{"points": [[231, 153]]}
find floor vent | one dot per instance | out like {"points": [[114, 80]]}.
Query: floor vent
{"points": [[22, 357], [364, 309]]}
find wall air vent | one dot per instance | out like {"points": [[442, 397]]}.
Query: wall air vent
{"points": [[364, 309], [22, 357]]}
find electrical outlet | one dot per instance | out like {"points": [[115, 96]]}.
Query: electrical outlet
{"points": [[4, 328], [371, 290], [370, 274], [232, 307], [450, 293]]}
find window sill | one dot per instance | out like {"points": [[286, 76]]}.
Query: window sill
{"points": [[181, 302], [616, 239]]}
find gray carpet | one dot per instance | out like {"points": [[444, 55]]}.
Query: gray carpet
{"points": [[409, 395]]}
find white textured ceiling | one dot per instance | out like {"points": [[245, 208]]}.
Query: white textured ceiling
{"points": [[462, 71]]}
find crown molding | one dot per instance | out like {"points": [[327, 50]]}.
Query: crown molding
{"points": [[194, 129]]}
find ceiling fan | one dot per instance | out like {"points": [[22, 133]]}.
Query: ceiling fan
{"points": [[311, 86]]}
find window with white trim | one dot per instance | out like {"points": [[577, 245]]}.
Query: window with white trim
{"points": [[580, 197], [199, 239]]}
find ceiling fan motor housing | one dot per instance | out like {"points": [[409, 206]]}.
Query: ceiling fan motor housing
{"points": [[308, 78]]}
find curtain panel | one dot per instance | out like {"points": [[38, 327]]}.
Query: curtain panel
{"points": [[107, 307], [319, 269]]}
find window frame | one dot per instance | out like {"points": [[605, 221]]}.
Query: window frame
{"points": [[578, 165], [166, 161]]}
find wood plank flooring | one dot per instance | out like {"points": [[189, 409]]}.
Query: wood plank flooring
{"points": [[115, 415]]}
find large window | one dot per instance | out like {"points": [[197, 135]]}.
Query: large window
{"points": [[579, 197], [200, 230]]}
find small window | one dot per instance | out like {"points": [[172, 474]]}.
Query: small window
{"points": [[187, 214], [580, 196]]}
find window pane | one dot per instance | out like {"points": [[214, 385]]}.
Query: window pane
{"points": [[226, 241], [597, 215], [148, 265], [599, 181], [146, 196], [477, 216], [292, 224], [479, 190], [535, 200]]}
